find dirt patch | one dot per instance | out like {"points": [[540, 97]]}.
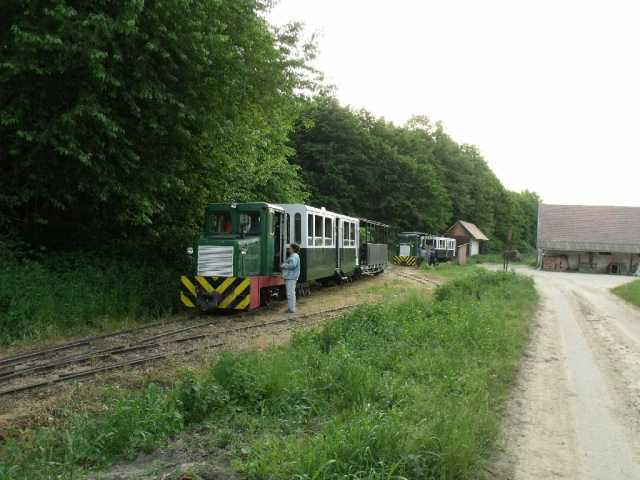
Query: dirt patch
{"points": [[191, 456]]}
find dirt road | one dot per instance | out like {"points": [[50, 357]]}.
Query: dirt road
{"points": [[576, 410]]}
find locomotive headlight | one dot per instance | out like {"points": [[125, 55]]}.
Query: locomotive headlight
{"points": [[190, 251]]}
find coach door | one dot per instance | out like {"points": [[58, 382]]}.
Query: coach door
{"points": [[280, 232]]}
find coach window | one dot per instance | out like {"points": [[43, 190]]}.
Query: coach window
{"points": [[297, 228], [328, 232], [317, 235], [345, 234], [352, 235], [309, 230]]}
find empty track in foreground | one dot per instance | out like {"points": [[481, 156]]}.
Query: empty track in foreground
{"points": [[130, 348]]}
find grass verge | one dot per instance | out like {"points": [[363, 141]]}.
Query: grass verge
{"points": [[525, 259], [629, 292], [412, 388], [68, 294]]}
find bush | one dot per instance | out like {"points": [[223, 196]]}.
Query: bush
{"points": [[67, 293]]}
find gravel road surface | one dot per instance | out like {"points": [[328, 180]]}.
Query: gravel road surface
{"points": [[575, 412]]}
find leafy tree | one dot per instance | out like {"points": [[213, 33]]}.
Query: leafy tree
{"points": [[353, 164], [414, 177], [122, 119]]}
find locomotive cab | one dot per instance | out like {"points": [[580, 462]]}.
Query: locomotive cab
{"points": [[411, 249], [236, 260]]}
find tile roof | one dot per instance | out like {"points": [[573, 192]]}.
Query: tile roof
{"points": [[472, 229], [587, 228]]}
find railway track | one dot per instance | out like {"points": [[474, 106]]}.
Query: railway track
{"points": [[46, 367], [418, 278]]}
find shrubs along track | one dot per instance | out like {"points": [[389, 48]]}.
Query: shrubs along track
{"points": [[412, 389], [68, 294]]}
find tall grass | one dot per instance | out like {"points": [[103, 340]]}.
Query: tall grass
{"points": [[529, 259], [64, 294], [409, 389], [629, 292]]}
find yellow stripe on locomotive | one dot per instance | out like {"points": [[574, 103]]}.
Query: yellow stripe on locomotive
{"points": [[207, 293], [409, 261]]}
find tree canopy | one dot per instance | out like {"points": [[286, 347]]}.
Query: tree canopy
{"points": [[414, 177], [124, 118], [120, 120]]}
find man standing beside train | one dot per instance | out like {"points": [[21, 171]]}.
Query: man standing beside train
{"points": [[291, 273]]}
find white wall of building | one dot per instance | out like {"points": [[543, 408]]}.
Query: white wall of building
{"points": [[475, 247]]}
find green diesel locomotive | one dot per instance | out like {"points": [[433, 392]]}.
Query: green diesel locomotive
{"points": [[414, 248], [236, 261]]}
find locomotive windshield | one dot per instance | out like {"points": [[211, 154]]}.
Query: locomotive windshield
{"points": [[250, 223], [223, 223], [407, 237], [218, 222]]}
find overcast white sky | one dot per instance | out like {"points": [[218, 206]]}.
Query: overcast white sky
{"points": [[548, 90]]}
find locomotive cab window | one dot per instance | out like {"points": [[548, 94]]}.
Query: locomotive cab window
{"points": [[218, 222], [250, 223]]}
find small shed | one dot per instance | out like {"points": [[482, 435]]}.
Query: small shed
{"points": [[467, 233]]}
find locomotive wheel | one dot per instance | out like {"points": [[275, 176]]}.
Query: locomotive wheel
{"points": [[265, 297], [304, 291], [282, 293]]}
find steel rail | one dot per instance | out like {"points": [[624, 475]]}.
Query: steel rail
{"points": [[417, 278], [145, 345], [94, 371], [17, 359], [105, 353]]}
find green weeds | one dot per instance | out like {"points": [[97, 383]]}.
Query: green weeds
{"points": [[408, 389], [66, 294], [629, 292], [525, 259]]}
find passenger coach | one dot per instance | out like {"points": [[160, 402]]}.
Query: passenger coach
{"points": [[414, 248]]}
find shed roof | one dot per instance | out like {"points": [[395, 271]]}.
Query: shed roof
{"points": [[471, 229], [589, 228]]}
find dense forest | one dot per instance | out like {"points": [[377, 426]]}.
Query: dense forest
{"points": [[413, 177], [120, 120]]}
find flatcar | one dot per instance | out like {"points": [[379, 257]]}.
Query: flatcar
{"points": [[236, 260], [415, 247]]}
